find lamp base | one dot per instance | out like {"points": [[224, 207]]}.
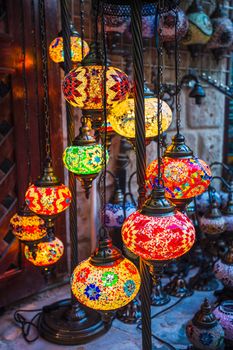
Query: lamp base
{"points": [[158, 296], [178, 288], [67, 324], [203, 281], [130, 313]]}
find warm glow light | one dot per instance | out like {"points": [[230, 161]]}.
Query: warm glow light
{"points": [[183, 178], [158, 237], [56, 52], [83, 87], [105, 288], [84, 160], [46, 253], [122, 117], [28, 228], [48, 200]]}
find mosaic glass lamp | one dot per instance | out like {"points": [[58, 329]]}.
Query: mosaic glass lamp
{"points": [[158, 232], [122, 117], [167, 25], [223, 269], [83, 86], [48, 197], [184, 175], [56, 52], [106, 281], [46, 253], [213, 222], [27, 227], [85, 158], [224, 313]]}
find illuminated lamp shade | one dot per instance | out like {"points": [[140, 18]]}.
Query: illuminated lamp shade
{"points": [[213, 222], [85, 158], [83, 86], [107, 281], [27, 227], [122, 117], [48, 197], [157, 232], [56, 52], [47, 253], [184, 175]]}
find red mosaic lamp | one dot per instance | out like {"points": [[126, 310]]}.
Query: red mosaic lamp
{"points": [[83, 86], [158, 232]]}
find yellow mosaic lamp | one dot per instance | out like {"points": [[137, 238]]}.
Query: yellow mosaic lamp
{"points": [[106, 281], [56, 52], [27, 227], [122, 117]]}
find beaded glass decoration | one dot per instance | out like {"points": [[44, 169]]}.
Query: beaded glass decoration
{"points": [[105, 287], [28, 228], [56, 52]]}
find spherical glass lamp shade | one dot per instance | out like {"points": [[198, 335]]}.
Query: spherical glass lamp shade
{"points": [[224, 273], [158, 238], [167, 25], [83, 87], [47, 253], [213, 222], [56, 52], [115, 213], [84, 160], [122, 117], [28, 228], [183, 178], [105, 288], [48, 201]]}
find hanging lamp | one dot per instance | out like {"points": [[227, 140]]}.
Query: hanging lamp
{"points": [[122, 117], [85, 157], [213, 223]]}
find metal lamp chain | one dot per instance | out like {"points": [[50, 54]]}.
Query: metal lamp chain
{"points": [[177, 74], [45, 78], [82, 25]]}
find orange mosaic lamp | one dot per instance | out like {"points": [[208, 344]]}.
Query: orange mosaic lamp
{"points": [[106, 281], [184, 175], [27, 227], [56, 52], [158, 232], [45, 253], [48, 197]]}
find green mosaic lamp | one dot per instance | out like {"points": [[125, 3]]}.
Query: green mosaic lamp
{"points": [[85, 157]]}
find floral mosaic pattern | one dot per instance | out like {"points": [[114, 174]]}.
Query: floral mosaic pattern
{"points": [[115, 214], [224, 314], [212, 226], [56, 52], [105, 288], [83, 87], [122, 117], [183, 178], [158, 238], [84, 160], [47, 253], [28, 228], [48, 200]]}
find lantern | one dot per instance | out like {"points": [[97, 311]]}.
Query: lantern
{"points": [[27, 227], [184, 175], [223, 268], [56, 52], [85, 157], [167, 25], [224, 313], [107, 281], [157, 232], [213, 222], [122, 117], [45, 253]]}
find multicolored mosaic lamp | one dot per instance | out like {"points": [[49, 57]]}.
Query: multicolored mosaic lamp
{"points": [[122, 117], [213, 222], [48, 197], [85, 157], [27, 227], [158, 232], [83, 86], [106, 281], [45, 253], [184, 175]]}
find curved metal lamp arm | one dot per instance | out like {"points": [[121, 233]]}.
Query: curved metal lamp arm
{"points": [[223, 165], [129, 181], [224, 89], [223, 181]]}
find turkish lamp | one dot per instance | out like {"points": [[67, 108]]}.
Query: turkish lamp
{"points": [[213, 222], [83, 86], [48, 197], [56, 51], [158, 232], [27, 227], [106, 281], [223, 268], [122, 117], [184, 175], [85, 158]]}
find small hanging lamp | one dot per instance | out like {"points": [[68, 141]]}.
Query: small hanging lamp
{"points": [[213, 223], [122, 117], [85, 157], [56, 52]]}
